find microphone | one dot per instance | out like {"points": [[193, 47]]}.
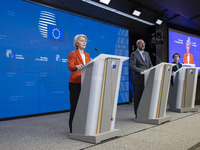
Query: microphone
{"points": [[97, 50], [157, 57]]}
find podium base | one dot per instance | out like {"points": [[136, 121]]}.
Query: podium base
{"points": [[153, 121], [95, 138], [183, 110]]}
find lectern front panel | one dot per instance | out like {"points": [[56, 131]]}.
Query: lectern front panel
{"points": [[111, 75], [190, 73], [145, 103], [95, 114], [164, 93], [152, 107], [79, 121]]}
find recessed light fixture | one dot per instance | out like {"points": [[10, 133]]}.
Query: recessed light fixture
{"points": [[105, 1], [136, 13], [159, 22], [118, 12]]}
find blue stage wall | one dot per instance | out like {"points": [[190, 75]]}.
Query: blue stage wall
{"points": [[34, 46]]}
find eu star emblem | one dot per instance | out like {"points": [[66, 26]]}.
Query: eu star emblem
{"points": [[114, 66], [55, 33]]}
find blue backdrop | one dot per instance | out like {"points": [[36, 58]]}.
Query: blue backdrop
{"points": [[34, 46]]}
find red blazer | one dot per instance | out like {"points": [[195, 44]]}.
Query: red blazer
{"points": [[191, 61], [74, 59]]}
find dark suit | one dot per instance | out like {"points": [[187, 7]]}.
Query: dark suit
{"points": [[137, 65], [174, 68]]}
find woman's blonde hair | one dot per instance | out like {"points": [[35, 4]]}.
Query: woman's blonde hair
{"points": [[76, 38]]}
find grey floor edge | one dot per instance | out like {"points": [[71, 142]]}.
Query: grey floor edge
{"points": [[51, 132], [96, 138], [184, 110], [153, 121]]}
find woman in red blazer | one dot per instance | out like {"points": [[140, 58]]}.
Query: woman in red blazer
{"points": [[188, 57], [76, 60]]}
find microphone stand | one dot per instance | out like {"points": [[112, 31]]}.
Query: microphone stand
{"points": [[157, 57]]}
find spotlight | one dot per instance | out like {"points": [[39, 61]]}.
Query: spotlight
{"points": [[159, 22], [136, 13], [105, 1]]}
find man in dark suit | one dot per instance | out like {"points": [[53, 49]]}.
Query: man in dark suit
{"points": [[176, 57], [139, 61]]}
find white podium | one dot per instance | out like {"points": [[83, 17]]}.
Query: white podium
{"points": [[184, 90], [94, 119], [152, 106]]}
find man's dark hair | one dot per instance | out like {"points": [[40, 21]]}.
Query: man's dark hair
{"points": [[176, 54]]}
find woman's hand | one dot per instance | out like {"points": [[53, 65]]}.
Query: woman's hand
{"points": [[79, 67]]}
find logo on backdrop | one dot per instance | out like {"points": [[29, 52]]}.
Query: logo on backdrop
{"points": [[41, 59], [48, 28], [9, 54], [59, 59]]}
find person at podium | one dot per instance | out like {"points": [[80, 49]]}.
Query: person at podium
{"points": [[188, 57], [139, 62], [176, 58], [76, 60]]}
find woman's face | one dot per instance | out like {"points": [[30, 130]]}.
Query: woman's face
{"points": [[187, 47], [81, 43]]}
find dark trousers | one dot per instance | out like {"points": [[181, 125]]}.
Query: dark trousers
{"points": [[138, 90], [74, 89]]}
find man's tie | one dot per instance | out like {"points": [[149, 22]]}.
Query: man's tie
{"points": [[143, 56]]}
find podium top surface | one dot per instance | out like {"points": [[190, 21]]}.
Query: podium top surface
{"points": [[183, 68], [188, 65], [104, 56], [158, 65]]}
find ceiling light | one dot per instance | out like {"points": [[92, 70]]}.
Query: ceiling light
{"points": [[118, 12], [105, 1], [136, 13], [159, 22]]}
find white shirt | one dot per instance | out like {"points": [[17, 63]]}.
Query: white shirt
{"points": [[142, 54], [188, 58], [83, 57]]}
